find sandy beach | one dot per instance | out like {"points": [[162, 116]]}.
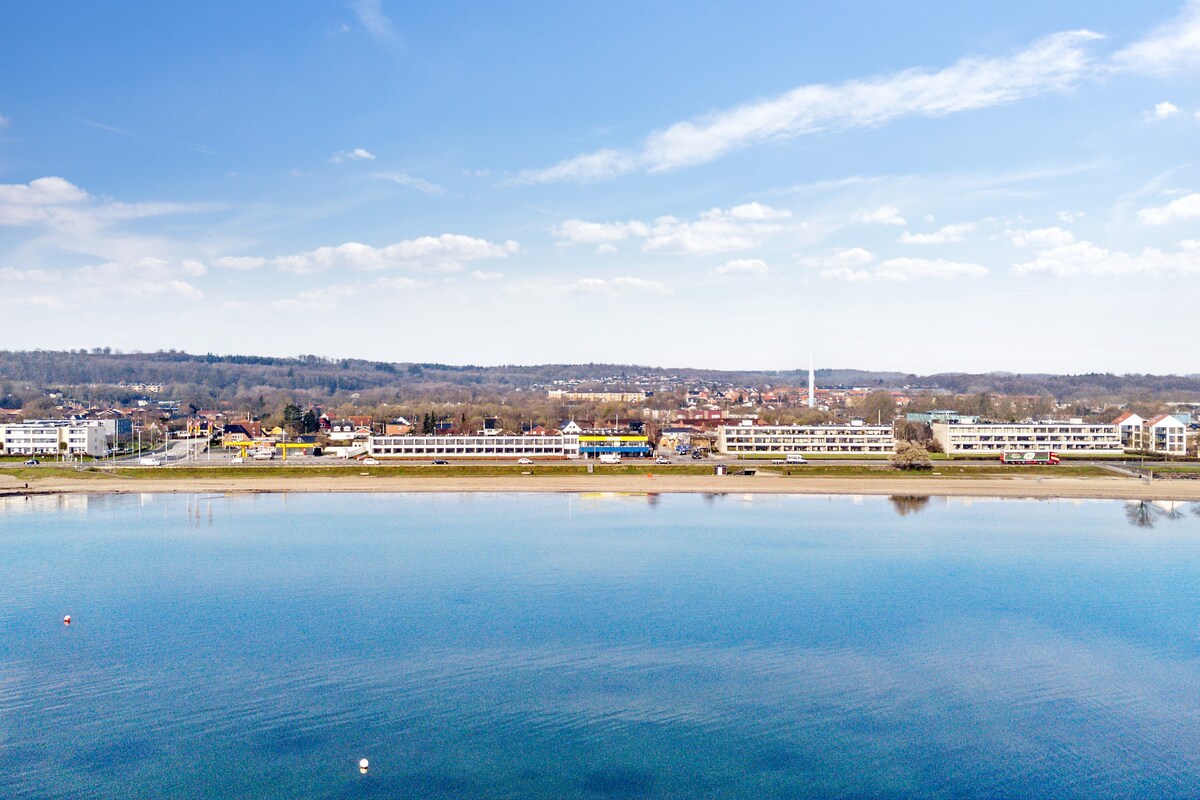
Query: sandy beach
{"points": [[1032, 486]]}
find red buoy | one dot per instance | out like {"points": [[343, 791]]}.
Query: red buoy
{"points": [[67, 619]]}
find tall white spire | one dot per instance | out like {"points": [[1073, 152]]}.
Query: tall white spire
{"points": [[812, 383]]}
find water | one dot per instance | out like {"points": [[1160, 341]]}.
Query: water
{"points": [[556, 646]]}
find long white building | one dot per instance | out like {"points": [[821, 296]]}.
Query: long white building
{"points": [[557, 446], [779, 440], [54, 437], [1072, 437]]}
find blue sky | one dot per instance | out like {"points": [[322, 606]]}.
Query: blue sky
{"points": [[916, 186]]}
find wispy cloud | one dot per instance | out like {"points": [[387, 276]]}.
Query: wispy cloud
{"points": [[743, 265], [427, 253], [374, 21], [110, 128], [947, 233], [4, 122], [884, 215], [1169, 48], [420, 184], [907, 269], [357, 154], [1084, 258], [717, 230], [1054, 63]]}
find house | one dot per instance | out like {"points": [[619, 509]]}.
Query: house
{"points": [[1164, 434], [570, 427], [397, 427], [1129, 424], [244, 431]]}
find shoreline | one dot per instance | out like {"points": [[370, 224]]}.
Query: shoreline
{"points": [[1034, 487]]}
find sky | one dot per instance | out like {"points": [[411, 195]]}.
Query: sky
{"points": [[915, 186]]}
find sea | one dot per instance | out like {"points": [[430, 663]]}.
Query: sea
{"points": [[597, 646]]}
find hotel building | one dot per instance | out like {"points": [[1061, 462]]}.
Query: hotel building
{"points": [[562, 446], [1073, 437], [54, 437], [780, 440]]}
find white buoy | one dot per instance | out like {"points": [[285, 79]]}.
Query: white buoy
{"points": [[363, 765]]}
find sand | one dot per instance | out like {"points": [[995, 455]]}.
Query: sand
{"points": [[1034, 486]]}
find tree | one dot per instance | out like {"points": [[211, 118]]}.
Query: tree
{"points": [[909, 455], [293, 418], [877, 407], [310, 423]]}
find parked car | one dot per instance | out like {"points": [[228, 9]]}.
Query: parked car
{"points": [[150, 461], [440, 462], [697, 454], [33, 462], [371, 462], [237, 460], [524, 460], [662, 460]]}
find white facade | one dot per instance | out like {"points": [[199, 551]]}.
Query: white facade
{"points": [[1130, 426], [1074, 437], [54, 437], [1164, 434], [779, 440], [474, 446]]}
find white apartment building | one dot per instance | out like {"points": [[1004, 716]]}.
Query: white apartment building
{"points": [[1072, 437], [1163, 434], [557, 446], [54, 437], [779, 440]]}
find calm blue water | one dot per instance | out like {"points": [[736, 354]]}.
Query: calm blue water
{"points": [[551, 646]]}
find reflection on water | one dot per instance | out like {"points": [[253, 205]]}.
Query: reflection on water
{"points": [[1146, 513], [906, 504], [552, 646]]}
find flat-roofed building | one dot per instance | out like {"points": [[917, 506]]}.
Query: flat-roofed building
{"points": [[499, 446], [780, 440], [1071, 437], [53, 437], [595, 443]]}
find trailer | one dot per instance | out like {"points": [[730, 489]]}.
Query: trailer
{"points": [[1046, 457]]}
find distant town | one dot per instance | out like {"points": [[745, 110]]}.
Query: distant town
{"points": [[652, 414]]}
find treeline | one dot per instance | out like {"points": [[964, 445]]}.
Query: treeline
{"points": [[209, 377]]}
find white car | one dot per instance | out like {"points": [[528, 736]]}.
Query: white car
{"points": [[237, 460], [524, 460], [662, 460], [371, 462], [150, 462]]}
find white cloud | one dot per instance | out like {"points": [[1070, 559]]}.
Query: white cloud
{"points": [[357, 154], [401, 282], [420, 184], [1164, 110], [322, 299], [370, 15], [716, 230], [1086, 258], [480, 275], [580, 169], [907, 269], [38, 201], [1042, 237], [577, 231], [884, 215], [839, 259], [1190, 244], [614, 286], [606, 249], [1051, 64], [1071, 216], [445, 252], [742, 265], [193, 267], [1186, 207], [1169, 48], [947, 233], [240, 262], [31, 275]]}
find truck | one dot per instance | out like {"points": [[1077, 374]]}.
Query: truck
{"points": [[610, 458], [1029, 457], [147, 461]]}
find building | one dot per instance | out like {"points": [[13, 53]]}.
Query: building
{"points": [[1163, 434], [54, 437], [1129, 425], [1072, 437], [780, 440], [600, 397], [498, 446], [595, 443]]}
